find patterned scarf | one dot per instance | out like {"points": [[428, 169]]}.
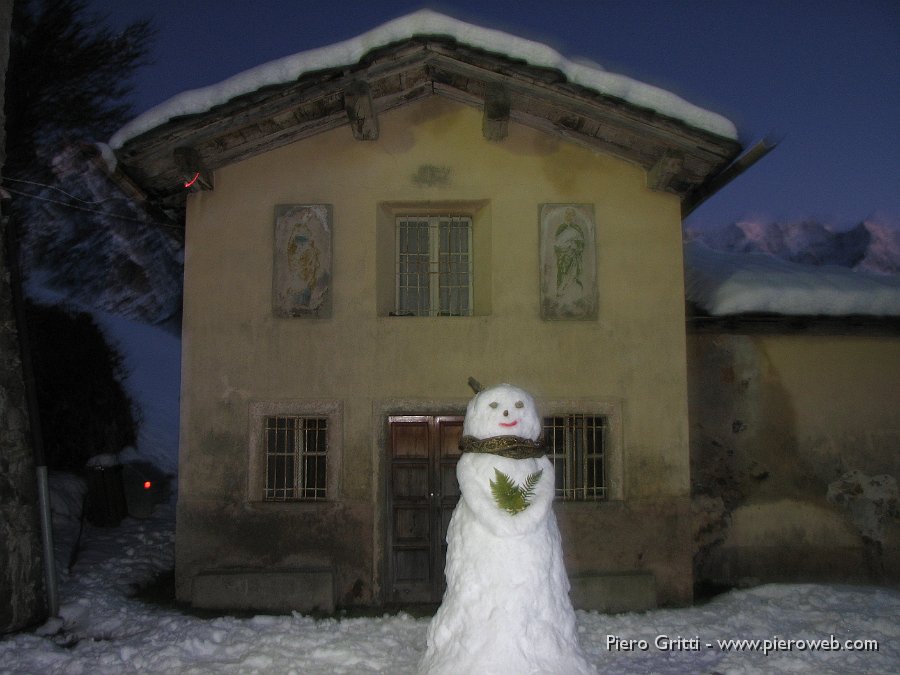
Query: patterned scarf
{"points": [[513, 447]]}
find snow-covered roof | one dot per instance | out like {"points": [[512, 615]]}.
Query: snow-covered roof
{"points": [[426, 22], [721, 284]]}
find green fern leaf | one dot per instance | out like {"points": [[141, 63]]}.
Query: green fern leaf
{"points": [[510, 497], [505, 492], [531, 482]]}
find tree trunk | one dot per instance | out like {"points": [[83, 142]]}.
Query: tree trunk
{"points": [[21, 579]]}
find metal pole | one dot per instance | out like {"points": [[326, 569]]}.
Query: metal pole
{"points": [[47, 541]]}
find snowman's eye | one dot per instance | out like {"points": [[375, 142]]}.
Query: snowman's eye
{"points": [[519, 404], [494, 404]]}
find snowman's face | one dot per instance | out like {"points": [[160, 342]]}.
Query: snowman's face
{"points": [[503, 410]]}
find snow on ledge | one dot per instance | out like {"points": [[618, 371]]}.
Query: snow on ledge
{"points": [[723, 283], [424, 22]]}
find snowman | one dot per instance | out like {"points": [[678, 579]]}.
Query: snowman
{"points": [[506, 608]]}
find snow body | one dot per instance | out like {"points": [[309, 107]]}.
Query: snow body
{"points": [[506, 608]]}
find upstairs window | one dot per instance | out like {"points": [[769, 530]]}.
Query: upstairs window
{"points": [[434, 266], [296, 451], [577, 447]]}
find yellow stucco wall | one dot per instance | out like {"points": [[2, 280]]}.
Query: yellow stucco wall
{"points": [[235, 351], [844, 398], [777, 418]]}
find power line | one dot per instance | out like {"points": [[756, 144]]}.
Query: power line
{"points": [[54, 187], [89, 210]]}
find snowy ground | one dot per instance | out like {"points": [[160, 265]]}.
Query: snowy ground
{"points": [[102, 629]]}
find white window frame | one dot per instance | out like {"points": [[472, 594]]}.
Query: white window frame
{"points": [[443, 266]]}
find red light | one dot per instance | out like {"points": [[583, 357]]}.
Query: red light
{"points": [[192, 180], [147, 485]]}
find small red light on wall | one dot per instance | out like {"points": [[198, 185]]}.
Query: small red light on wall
{"points": [[193, 180], [147, 485]]}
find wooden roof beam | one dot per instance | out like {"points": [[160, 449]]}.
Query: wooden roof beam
{"points": [[360, 111], [712, 185], [665, 170], [495, 122]]}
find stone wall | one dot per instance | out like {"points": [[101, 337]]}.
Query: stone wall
{"points": [[794, 457]]}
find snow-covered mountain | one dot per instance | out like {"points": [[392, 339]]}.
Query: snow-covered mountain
{"points": [[722, 283], [801, 268], [870, 246], [88, 241]]}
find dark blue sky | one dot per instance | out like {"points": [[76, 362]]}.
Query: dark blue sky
{"points": [[823, 76]]}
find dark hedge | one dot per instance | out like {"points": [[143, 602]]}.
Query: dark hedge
{"points": [[84, 409]]}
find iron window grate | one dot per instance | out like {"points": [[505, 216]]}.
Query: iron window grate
{"points": [[576, 445], [296, 452], [434, 266]]}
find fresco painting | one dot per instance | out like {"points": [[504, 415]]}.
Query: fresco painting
{"points": [[568, 258], [302, 266]]}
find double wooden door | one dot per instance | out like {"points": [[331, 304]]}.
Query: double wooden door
{"points": [[421, 494]]}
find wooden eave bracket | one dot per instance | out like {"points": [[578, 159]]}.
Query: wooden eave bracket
{"points": [[495, 121], [191, 169], [665, 170], [361, 111]]}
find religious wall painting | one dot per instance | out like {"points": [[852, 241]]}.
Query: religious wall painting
{"points": [[568, 258], [302, 278]]}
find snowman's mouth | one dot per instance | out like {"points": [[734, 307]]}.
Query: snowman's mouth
{"points": [[509, 424]]}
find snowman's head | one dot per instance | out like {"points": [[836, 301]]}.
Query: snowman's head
{"points": [[503, 410]]}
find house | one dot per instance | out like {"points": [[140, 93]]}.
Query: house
{"points": [[370, 224]]}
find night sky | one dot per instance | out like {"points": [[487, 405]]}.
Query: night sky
{"points": [[823, 77]]}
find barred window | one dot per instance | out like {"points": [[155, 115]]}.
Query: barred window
{"points": [[434, 266], [296, 451], [576, 445]]}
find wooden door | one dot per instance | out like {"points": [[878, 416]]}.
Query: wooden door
{"points": [[421, 493]]}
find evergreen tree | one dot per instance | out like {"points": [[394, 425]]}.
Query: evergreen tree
{"points": [[67, 83], [68, 79], [84, 408]]}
